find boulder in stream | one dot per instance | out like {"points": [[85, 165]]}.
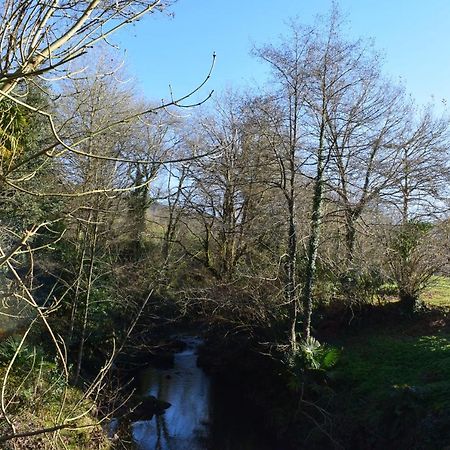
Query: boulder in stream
{"points": [[144, 408]]}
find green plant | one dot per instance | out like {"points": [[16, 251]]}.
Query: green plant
{"points": [[360, 286], [26, 355], [310, 361], [413, 259]]}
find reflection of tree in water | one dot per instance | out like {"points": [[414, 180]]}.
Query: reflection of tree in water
{"points": [[162, 434], [184, 425]]}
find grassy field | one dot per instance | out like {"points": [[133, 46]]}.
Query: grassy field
{"points": [[392, 382], [395, 392], [438, 294]]}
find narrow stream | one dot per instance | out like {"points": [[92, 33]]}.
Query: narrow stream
{"points": [[202, 416]]}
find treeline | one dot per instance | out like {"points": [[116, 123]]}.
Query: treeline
{"points": [[329, 184]]}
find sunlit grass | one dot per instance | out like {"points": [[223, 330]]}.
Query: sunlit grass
{"points": [[438, 294], [375, 365]]}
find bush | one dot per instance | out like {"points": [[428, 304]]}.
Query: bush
{"points": [[414, 256], [360, 286], [27, 356]]}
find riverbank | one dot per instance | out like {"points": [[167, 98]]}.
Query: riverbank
{"points": [[56, 406], [388, 390]]}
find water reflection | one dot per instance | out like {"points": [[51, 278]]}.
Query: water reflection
{"points": [[183, 426], [203, 415]]}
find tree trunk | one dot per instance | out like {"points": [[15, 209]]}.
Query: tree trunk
{"points": [[81, 258], [350, 234], [312, 256], [291, 294], [351, 217], [92, 249], [408, 302], [316, 219]]}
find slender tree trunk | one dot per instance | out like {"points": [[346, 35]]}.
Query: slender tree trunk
{"points": [[168, 237], [75, 302], [312, 257], [406, 187], [291, 293], [207, 251], [316, 219], [405, 206], [350, 236], [292, 296], [174, 214], [92, 251]]}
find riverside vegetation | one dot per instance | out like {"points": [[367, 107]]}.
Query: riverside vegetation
{"points": [[301, 230]]}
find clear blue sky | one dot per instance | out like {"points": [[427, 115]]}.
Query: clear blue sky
{"points": [[414, 36]]}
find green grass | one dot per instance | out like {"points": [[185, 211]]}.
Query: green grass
{"points": [[379, 364], [397, 388], [38, 397], [438, 294]]}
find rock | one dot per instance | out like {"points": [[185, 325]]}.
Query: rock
{"points": [[146, 407]]}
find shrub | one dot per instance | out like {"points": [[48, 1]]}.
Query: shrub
{"points": [[310, 362]]}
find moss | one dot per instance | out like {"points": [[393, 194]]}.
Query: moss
{"points": [[41, 399]]}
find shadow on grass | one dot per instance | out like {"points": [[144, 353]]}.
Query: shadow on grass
{"points": [[394, 392]]}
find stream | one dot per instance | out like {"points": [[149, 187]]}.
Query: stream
{"points": [[202, 415]]}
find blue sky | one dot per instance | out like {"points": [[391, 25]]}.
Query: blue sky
{"points": [[413, 36]]}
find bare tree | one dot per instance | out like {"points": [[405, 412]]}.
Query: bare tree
{"points": [[318, 74], [363, 137], [421, 185], [38, 37], [227, 186], [281, 121]]}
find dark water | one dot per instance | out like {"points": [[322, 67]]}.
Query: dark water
{"points": [[203, 415]]}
